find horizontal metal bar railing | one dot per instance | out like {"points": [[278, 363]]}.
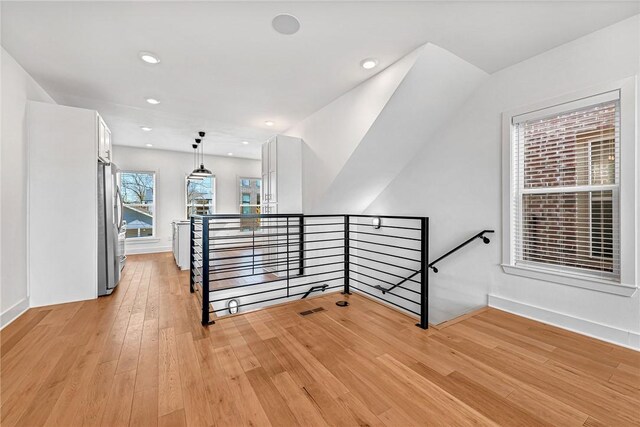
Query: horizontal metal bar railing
{"points": [[272, 272], [384, 245], [275, 299], [281, 252], [396, 295], [381, 262], [248, 285], [279, 257], [269, 246], [386, 254], [384, 281], [387, 226], [385, 235], [283, 288], [395, 285]]}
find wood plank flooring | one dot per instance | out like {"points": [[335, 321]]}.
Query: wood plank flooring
{"points": [[140, 357]]}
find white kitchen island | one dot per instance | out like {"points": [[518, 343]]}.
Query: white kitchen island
{"points": [[181, 230]]}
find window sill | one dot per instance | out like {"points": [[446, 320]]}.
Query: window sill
{"points": [[594, 284], [140, 240]]}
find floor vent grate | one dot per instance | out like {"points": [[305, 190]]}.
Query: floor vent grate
{"points": [[313, 310]]}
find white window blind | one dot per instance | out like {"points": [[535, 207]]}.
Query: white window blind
{"points": [[566, 207]]}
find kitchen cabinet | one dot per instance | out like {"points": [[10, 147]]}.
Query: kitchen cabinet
{"points": [[104, 140], [281, 190], [282, 175]]}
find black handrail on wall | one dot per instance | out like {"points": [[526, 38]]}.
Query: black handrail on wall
{"points": [[406, 279], [480, 235], [313, 289]]}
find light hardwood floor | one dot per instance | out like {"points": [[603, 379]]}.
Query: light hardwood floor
{"points": [[140, 357]]}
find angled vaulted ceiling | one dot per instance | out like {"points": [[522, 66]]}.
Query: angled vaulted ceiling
{"points": [[348, 174], [332, 134]]}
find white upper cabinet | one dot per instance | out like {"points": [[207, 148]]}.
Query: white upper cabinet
{"points": [[264, 187], [273, 153], [265, 157], [104, 140], [282, 175], [107, 144]]}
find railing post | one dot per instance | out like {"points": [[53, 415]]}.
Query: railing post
{"points": [[287, 257], [191, 248], [424, 273], [205, 271], [301, 245], [347, 290]]}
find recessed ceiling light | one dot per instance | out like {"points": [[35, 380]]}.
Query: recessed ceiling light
{"points": [[285, 24], [245, 142], [269, 123], [369, 63], [153, 101], [229, 154], [149, 145], [149, 58], [145, 128]]}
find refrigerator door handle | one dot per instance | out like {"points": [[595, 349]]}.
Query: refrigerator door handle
{"points": [[121, 212]]}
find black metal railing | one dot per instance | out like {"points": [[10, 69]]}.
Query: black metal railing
{"points": [[480, 235], [282, 257]]}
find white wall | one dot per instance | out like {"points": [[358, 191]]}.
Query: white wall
{"points": [[333, 133], [357, 144], [457, 179], [17, 88], [171, 168], [432, 91]]}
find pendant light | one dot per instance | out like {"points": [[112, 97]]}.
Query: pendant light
{"points": [[201, 171], [191, 176]]}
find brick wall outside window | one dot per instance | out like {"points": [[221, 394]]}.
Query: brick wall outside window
{"points": [[566, 220]]}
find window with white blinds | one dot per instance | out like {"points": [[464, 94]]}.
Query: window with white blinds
{"points": [[566, 187]]}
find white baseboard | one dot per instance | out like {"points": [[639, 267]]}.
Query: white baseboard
{"points": [[142, 249], [13, 312], [589, 328]]}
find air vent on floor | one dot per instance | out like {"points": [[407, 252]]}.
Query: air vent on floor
{"points": [[313, 310]]}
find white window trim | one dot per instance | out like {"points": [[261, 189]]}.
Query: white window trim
{"points": [[629, 192], [154, 235], [215, 196]]}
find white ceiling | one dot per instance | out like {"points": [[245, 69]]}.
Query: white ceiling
{"points": [[226, 71]]}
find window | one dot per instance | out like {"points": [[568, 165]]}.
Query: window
{"points": [[249, 195], [249, 202], [201, 196], [564, 195], [138, 198], [567, 167]]}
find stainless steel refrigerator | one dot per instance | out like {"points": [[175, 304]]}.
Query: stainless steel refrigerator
{"points": [[111, 229]]}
